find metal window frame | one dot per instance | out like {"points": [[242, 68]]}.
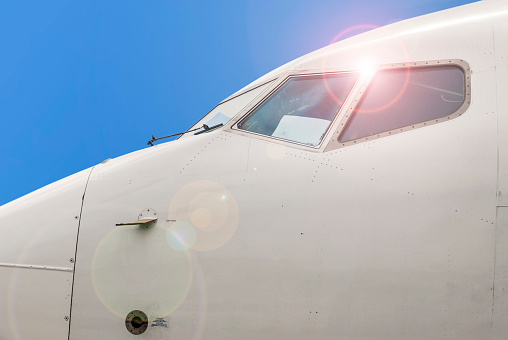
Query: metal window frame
{"points": [[236, 95], [330, 140], [347, 115], [232, 126]]}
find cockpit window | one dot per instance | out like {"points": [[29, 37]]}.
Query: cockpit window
{"points": [[302, 109], [226, 110], [404, 97]]}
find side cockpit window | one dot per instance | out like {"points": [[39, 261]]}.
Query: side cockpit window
{"points": [[223, 112], [302, 109], [400, 98]]}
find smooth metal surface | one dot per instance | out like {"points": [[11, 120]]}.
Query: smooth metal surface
{"points": [[401, 237], [500, 27], [40, 231], [500, 284]]}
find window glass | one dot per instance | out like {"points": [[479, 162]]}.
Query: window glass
{"points": [[223, 112], [302, 109], [400, 98]]}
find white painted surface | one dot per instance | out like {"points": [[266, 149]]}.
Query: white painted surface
{"points": [[501, 35], [39, 234], [396, 238], [34, 304], [500, 305]]}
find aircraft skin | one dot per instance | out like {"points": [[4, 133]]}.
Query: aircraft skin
{"points": [[398, 236]]}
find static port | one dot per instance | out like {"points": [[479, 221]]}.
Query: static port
{"points": [[136, 322]]}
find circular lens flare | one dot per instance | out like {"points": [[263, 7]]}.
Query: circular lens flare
{"points": [[342, 35], [19, 287], [135, 267], [210, 209], [390, 101], [351, 31], [367, 68], [181, 235]]}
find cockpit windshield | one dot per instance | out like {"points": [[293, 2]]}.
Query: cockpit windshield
{"points": [[226, 110], [302, 109]]}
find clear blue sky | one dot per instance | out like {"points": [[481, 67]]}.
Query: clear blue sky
{"points": [[83, 81]]}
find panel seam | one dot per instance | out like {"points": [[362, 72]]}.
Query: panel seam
{"points": [[76, 251]]}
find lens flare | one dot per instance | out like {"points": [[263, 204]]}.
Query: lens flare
{"points": [[210, 209], [351, 31], [139, 264], [344, 34], [367, 67], [20, 280], [392, 100], [181, 235]]}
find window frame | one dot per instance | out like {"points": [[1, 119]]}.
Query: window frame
{"points": [[283, 80], [330, 140], [234, 96], [335, 142]]}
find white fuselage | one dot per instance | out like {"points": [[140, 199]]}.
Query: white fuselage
{"points": [[401, 236]]}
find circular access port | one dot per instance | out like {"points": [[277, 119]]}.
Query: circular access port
{"points": [[136, 322]]}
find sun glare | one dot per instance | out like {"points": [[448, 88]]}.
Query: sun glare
{"points": [[366, 68]]}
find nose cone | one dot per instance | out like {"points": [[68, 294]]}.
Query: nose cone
{"points": [[123, 267], [37, 255]]}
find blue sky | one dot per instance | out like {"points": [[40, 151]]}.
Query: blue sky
{"points": [[81, 82]]}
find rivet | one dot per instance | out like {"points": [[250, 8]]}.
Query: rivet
{"points": [[71, 260], [66, 318]]}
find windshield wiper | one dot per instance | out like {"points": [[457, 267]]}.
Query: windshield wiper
{"points": [[205, 128], [208, 129]]}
